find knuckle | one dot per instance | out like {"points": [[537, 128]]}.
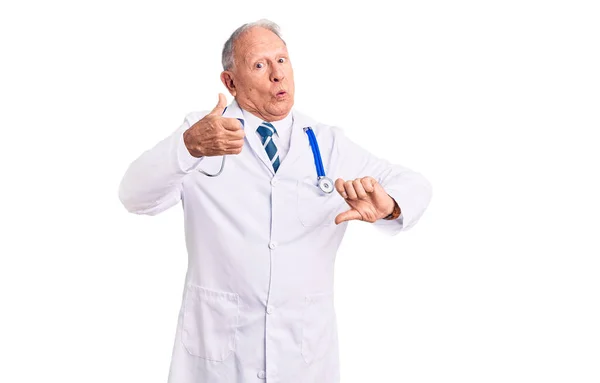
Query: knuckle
{"points": [[366, 216], [207, 121]]}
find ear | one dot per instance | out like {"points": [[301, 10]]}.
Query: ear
{"points": [[227, 80]]}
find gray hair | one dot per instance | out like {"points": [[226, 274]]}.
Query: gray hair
{"points": [[227, 56]]}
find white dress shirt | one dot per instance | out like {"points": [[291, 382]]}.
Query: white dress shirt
{"points": [[283, 130]]}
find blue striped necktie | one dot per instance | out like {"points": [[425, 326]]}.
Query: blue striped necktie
{"points": [[266, 130]]}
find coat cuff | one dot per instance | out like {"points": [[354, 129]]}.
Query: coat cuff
{"points": [[411, 205], [392, 226], [187, 163]]}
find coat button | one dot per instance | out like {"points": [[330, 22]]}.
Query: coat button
{"points": [[273, 182], [269, 309], [272, 245], [261, 374]]}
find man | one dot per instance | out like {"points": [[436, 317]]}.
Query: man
{"points": [[262, 236]]}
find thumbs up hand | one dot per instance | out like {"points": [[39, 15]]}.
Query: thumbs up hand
{"points": [[367, 199], [215, 135]]}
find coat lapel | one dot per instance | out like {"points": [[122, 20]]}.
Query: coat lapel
{"points": [[299, 144], [234, 111]]}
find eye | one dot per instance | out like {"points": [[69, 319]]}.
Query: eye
{"points": [[281, 60], [259, 65]]}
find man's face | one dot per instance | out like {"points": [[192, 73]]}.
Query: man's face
{"points": [[262, 79]]}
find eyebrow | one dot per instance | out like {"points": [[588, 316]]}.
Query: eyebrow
{"points": [[253, 57]]}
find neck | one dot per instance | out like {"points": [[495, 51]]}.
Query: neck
{"points": [[263, 115]]}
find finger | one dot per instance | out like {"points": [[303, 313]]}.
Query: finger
{"points": [[231, 123], [234, 135], [228, 144], [221, 105], [368, 184], [350, 190], [234, 144], [359, 189], [339, 186], [234, 151], [347, 216]]}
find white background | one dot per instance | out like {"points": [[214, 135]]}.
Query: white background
{"points": [[496, 103]]}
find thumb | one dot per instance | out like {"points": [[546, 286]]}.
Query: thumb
{"points": [[221, 105], [348, 215]]}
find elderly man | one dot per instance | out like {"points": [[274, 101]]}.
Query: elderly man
{"points": [[263, 231]]}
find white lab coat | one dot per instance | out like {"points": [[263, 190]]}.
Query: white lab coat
{"points": [[258, 295]]}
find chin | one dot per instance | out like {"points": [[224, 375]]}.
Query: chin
{"points": [[282, 108]]}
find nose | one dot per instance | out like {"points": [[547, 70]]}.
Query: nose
{"points": [[277, 74]]}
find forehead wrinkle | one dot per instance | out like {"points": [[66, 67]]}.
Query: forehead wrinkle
{"points": [[251, 40], [251, 56]]}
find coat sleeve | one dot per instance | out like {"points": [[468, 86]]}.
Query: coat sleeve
{"points": [[411, 190], [153, 182]]}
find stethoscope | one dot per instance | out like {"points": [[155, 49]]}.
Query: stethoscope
{"points": [[325, 183]]}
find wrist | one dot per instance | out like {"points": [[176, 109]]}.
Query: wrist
{"points": [[395, 211], [187, 141]]}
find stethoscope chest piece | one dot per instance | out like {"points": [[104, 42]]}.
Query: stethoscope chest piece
{"points": [[325, 184]]}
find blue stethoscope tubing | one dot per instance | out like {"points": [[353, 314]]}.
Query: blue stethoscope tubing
{"points": [[325, 183]]}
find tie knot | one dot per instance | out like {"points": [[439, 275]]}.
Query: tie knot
{"points": [[266, 129]]}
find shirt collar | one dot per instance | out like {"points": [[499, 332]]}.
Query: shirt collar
{"points": [[253, 122]]}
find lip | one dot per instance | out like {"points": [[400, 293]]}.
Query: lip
{"points": [[281, 93]]}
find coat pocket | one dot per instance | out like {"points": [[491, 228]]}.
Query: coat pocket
{"points": [[210, 320], [318, 326], [316, 208]]}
